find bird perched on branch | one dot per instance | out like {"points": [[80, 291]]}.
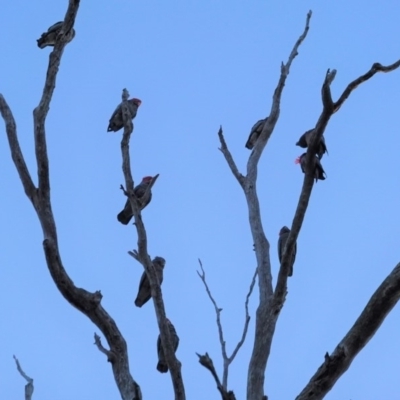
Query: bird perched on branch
{"points": [[116, 121], [305, 140], [162, 364], [255, 133], [143, 194], [144, 292], [49, 38], [283, 237], [319, 172]]}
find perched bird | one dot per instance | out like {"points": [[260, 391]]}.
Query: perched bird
{"points": [[319, 172], [140, 190], [255, 133], [144, 292], [305, 140], [162, 365], [116, 121], [49, 38], [283, 237]]}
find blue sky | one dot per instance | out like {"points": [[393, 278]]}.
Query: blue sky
{"points": [[196, 65]]}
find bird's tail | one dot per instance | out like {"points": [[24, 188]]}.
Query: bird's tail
{"points": [[124, 217], [162, 367], [41, 43]]}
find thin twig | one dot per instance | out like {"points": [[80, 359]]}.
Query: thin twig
{"points": [[229, 159], [110, 355], [247, 318], [228, 360], [218, 310], [29, 386]]}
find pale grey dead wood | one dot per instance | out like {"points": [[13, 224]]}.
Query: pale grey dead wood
{"points": [[29, 386], [16, 153], [376, 67], [308, 183], [206, 361], [266, 314], [336, 364], [228, 360], [88, 303], [40, 112], [142, 256], [329, 108], [110, 355], [229, 159]]}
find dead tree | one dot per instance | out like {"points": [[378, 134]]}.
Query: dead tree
{"points": [[271, 299]]}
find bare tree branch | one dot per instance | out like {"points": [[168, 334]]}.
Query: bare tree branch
{"points": [[40, 112], [229, 159], [335, 365], [88, 303], [376, 67], [142, 256], [247, 318], [29, 386], [227, 360], [110, 355], [266, 314], [207, 363], [16, 153]]}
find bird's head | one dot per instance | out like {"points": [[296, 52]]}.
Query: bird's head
{"points": [[138, 102], [147, 179], [283, 230], [298, 159]]}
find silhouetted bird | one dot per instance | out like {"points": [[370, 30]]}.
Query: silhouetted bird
{"points": [[162, 364], [140, 190], [49, 38], [144, 292], [319, 172], [255, 133], [305, 140], [116, 121], [283, 237]]}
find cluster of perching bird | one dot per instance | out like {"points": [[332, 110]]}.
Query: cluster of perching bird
{"points": [[319, 173], [303, 142], [143, 195]]}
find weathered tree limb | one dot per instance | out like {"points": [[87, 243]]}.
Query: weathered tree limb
{"points": [[88, 303], [16, 153], [266, 315], [227, 360], [142, 256], [336, 364], [207, 363], [329, 108], [376, 67], [29, 386], [229, 159]]}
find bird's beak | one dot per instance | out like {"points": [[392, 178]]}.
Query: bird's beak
{"points": [[297, 160]]}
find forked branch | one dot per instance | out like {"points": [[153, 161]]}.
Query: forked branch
{"points": [[29, 386], [86, 302], [207, 363], [227, 360]]}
